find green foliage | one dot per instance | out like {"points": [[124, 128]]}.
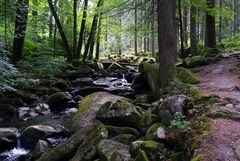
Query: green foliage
{"points": [[198, 158], [179, 123], [231, 44], [177, 87]]}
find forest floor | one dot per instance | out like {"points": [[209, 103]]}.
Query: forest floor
{"points": [[221, 79]]}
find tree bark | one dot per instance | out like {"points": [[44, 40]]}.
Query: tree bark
{"points": [[220, 22], [193, 30], [135, 29], [20, 29], [167, 40], [91, 39], [81, 34], [153, 29], [61, 31], [210, 32], [98, 38], [75, 28]]}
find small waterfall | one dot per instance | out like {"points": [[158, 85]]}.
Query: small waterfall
{"points": [[15, 153]]}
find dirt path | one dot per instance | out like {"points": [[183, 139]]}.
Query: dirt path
{"points": [[221, 79]]}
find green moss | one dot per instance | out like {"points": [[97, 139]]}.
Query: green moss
{"points": [[198, 158], [186, 76], [231, 100], [85, 104], [196, 61], [142, 156]]}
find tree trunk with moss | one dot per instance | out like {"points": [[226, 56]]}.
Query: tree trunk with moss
{"points": [[167, 40]]}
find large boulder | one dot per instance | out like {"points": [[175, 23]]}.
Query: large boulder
{"points": [[67, 149], [120, 113], [31, 135], [58, 100], [27, 97], [150, 73], [40, 149], [114, 131], [86, 115], [8, 138], [170, 106], [87, 151], [110, 150], [7, 112]]}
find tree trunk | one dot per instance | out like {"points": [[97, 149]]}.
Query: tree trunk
{"points": [[167, 40], [75, 28], [5, 26], [210, 33], [90, 42], [98, 38], [153, 29], [135, 29], [193, 32], [185, 26], [20, 29], [220, 22], [181, 26], [60, 29]]}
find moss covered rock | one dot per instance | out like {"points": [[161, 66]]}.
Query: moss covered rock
{"points": [[109, 149], [196, 61], [87, 151], [150, 73], [147, 120], [88, 108], [142, 156], [124, 138], [58, 101], [120, 113], [186, 76], [114, 131]]}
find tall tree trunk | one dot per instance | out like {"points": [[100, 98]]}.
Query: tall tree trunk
{"points": [[210, 33], [98, 38], [75, 28], [167, 40], [185, 26], [153, 28], [135, 29], [60, 29], [193, 30], [50, 28], [81, 34], [91, 39], [20, 29], [181, 26], [220, 22]]}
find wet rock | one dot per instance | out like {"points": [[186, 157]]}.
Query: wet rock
{"points": [[142, 99], [67, 149], [115, 130], [120, 113], [139, 84], [58, 101], [7, 112], [237, 148], [78, 98], [88, 108], [126, 139], [83, 81], [8, 138], [40, 148], [60, 84], [27, 97], [88, 150], [219, 70], [89, 90], [109, 149], [32, 134], [72, 104], [42, 108], [15, 102], [81, 71]]}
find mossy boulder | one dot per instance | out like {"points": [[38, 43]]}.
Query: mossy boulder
{"points": [[142, 156], [61, 84], [139, 84], [120, 113], [152, 148], [109, 149], [67, 149], [196, 61], [147, 120], [156, 132], [186, 76], [226, 114], [150, 73], [126, 139], [58, 101], [87, 151], [115, 131], [86, 115]]}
